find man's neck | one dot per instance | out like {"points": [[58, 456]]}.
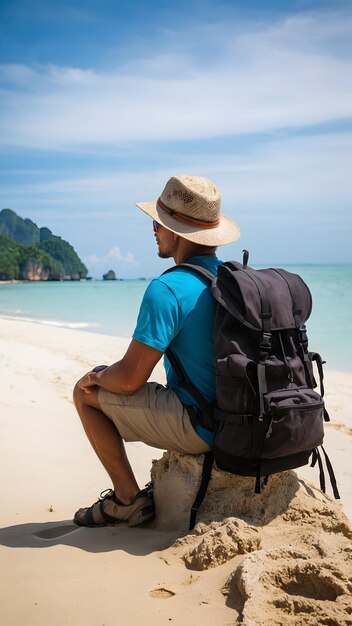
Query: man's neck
{"points": [[191, 249]]}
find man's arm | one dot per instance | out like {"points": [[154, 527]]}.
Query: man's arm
{"points": [[127, 375]]}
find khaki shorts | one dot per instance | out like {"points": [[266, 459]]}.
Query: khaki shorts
{"points": [[153, 415]]}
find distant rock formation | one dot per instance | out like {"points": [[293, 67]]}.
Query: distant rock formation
{"points": [[110, 275], [31, 253]]}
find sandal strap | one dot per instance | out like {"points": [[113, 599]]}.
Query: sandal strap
{"points": [[135, 513], [98, 507], [110, 519], [88, 516]]}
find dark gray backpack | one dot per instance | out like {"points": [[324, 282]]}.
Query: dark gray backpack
{"points": [[267, 417]]}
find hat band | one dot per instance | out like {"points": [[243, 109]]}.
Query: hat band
{"points": [[185, 218]]}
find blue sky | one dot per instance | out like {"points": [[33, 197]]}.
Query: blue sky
{"points": [[102, 101]]}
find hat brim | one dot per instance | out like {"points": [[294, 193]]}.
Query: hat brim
{"points": [[226, 232]]}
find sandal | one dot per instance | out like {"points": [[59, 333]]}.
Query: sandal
{"points": [[108, 510]]}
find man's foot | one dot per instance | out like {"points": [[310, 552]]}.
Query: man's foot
{"points": [[108, 510]]}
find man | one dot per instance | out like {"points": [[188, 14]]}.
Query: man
{"points": [[116, 404]]}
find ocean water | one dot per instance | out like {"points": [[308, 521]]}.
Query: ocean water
{"points": [[111, 307]]}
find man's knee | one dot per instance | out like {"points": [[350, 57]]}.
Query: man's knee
{"points": [[82, 398], [77, 394]]}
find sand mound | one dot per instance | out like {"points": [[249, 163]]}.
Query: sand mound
{"points": [[218, 543], [286, 553], [294, 586], [176, 478]]}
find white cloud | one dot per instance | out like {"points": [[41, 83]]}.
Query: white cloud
{"points": [[307, 171], [113, 256], [291, 197], [293, 74]]}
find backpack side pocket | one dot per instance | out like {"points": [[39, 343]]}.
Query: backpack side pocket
{"points": [[296, 422]]}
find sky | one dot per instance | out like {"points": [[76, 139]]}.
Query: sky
{"points": [[102, 101]]}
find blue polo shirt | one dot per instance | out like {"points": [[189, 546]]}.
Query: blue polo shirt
{"points": [[178, 310]]}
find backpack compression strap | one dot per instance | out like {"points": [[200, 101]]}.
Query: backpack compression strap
{"points": [[265, 340], [306, 357], [302, 331], [316, 457]]}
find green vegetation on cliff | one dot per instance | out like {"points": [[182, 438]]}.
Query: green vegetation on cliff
{"points": [[10, 258], [31, 253], [62, 252]]}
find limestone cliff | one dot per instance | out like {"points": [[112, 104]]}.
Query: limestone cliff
{"points": [[31, 253]]}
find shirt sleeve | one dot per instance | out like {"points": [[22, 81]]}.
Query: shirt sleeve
{"points": [[159, 317]]}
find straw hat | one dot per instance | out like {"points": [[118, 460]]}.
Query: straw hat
{"points": [[190, 207]]}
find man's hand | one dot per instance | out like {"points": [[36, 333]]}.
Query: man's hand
{"points": [[127, 375], [88, 381]]}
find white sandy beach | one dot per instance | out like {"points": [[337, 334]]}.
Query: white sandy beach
{"points": [[54, 573]]}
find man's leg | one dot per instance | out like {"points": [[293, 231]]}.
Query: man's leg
{"points": [[107, 443], [154, 415]]}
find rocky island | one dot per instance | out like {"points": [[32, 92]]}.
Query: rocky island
{"points": [[28, 252], [110, 275]]}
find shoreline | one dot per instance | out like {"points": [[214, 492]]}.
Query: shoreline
{"points": [[15, 281], [93, 328], [81, 326], [84, 304]]}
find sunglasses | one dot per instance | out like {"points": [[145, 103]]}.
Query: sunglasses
{"points": [[156, 226]]}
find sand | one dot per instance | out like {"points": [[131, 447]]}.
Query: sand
{"points": [[282, 557]]}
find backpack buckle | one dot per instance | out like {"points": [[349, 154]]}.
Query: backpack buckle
{"points": [[303, 337], [264, 346]]}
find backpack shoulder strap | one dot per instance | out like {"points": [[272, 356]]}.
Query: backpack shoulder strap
{"points": [[184, 381], [205, 479], [192, 266], [206, 407]]}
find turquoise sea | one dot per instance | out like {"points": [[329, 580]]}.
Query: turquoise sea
{"points": [[111, 307]]}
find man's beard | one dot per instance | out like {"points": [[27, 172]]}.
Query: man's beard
{"points": [[163, 255]]}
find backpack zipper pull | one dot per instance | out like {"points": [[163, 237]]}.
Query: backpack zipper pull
{"points": [[245, 259], [270, 429]]}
